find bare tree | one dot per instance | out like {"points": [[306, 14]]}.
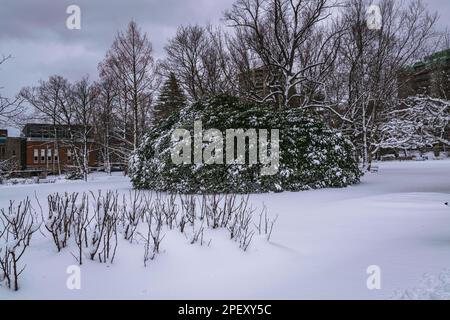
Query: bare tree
{"points": [[420, 121], [51, 101], [369, 64], [199, 58], [10, 109], [84, 96], [105, 120], [277, 32], [130, 63], [184, 58], [117, 112]]}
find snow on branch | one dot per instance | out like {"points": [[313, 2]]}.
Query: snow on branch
{"points": [[418, 121]]}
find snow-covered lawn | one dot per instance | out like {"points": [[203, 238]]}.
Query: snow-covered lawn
{"points": [[321, 246]]}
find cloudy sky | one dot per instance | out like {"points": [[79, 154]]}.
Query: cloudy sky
{"points": [[34, 32]]}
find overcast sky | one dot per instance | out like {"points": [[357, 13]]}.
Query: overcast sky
{"points": [[34, 32]]}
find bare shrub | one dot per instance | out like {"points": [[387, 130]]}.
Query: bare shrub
{"points": [[213, 210], [188, 207], [197, 235], [265, 225], [19, 224], [229, 211], [203, 208], [133, 214], [239, 219], [244, 233], [61, 211], [104, 236], [230, 207], [153, 235], [182, 223], [17, 220], [81, 222], [167, 206]]}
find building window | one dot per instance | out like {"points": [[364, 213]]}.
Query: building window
{"points": [[69, 155], [49, 155], [56, 155], [42, 155], [36, 156]]}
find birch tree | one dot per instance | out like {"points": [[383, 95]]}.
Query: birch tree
{"points": [[84, 99], [105, 121]]}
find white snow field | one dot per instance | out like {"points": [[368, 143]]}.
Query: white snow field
{"points": [[321, 247]]}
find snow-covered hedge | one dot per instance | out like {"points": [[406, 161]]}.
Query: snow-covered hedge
{"points": [[311, 155]]}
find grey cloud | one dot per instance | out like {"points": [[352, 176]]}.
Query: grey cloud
{"points": [[34, 32]]}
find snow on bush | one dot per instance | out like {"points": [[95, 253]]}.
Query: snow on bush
{"points": [[430, 288], [312, 156]]}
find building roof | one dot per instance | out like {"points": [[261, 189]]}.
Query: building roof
{"points": [[431, 61], [47, 131]]}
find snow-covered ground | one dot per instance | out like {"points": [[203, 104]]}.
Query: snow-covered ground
{"points": [[321, 246]]}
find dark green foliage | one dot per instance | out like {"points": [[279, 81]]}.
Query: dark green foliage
{"points": [[170, 100], [311, 155]]}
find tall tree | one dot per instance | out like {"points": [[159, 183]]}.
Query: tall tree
{"points": [[171, 98], [369, 63], [10, 109], [130, 62], [84, 95], [105, 119], [278, 34], [51, 102], [199, 58]]}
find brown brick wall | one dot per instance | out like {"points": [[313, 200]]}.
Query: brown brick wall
{"points": [[50, 163]]}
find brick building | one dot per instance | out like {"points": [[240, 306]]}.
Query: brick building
{"points": [[12, 149], [53, 148], [429, 77], [255, 81]]}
